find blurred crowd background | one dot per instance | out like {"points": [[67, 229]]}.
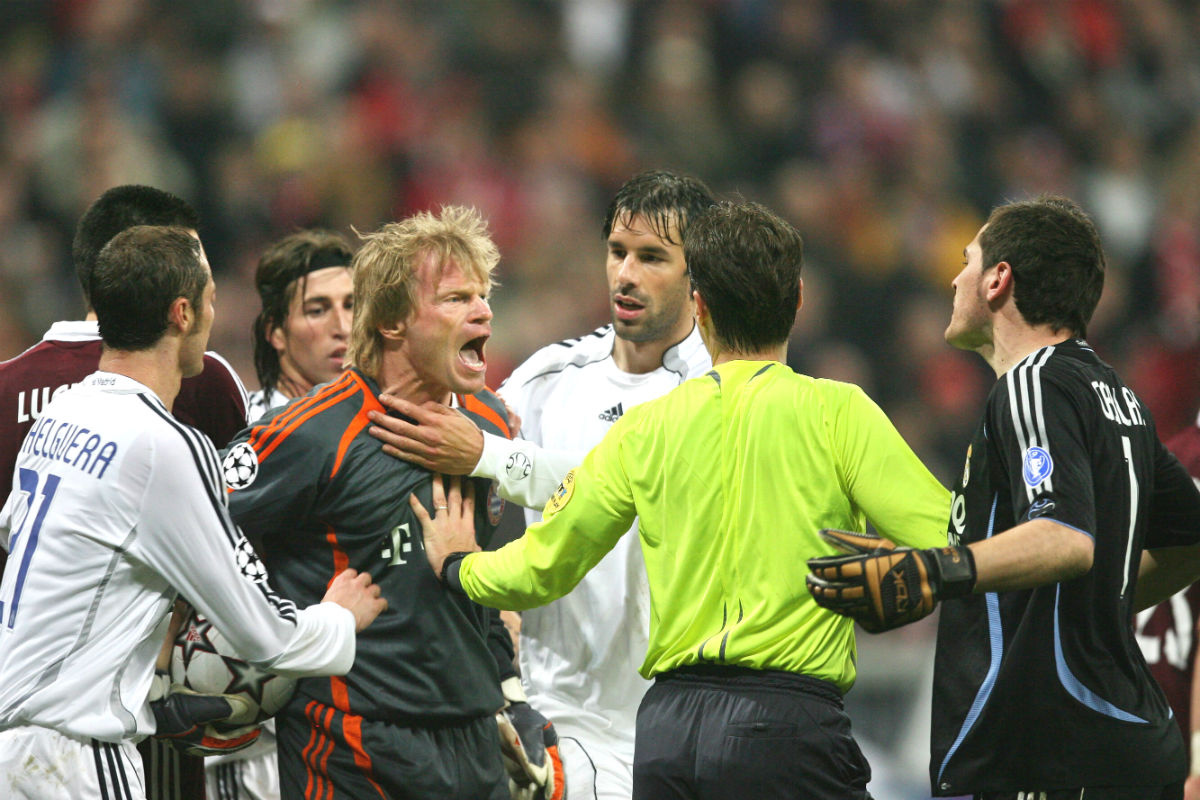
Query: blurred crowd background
{"points": [[884, 130]]}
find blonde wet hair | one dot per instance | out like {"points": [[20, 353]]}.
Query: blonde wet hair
{"points": [[385, 272]]}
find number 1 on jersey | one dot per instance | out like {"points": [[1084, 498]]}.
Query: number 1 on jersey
{"points": [[28, 480]]}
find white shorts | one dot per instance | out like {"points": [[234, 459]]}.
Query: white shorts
{"points": [[252, 774], [43, 764], [595, 771]]}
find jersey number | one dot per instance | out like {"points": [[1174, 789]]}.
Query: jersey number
{"points": [[400, 543], [29, 481]]}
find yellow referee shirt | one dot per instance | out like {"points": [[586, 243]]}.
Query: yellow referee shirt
{"points": [[732, 475]]}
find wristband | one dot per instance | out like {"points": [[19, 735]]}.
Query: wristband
{"points": [[1195, 770], [955, 568], [450, 568]]}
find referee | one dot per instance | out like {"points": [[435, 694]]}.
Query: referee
{"points": [[1039, 688], [731, 474]]}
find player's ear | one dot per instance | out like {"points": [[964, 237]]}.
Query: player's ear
{"points": [[181, 314], [998, 283], [800, 295], [394, 332], [702, 310], [276, 338]]}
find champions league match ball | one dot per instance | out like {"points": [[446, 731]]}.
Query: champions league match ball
{"points": [[204, 661]]}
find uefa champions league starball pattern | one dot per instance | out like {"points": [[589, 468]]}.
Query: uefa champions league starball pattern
{"points": [[204, 661]]}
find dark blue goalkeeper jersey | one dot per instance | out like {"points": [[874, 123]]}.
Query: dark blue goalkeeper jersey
{"points": [[322, 497], [1047, 689]]}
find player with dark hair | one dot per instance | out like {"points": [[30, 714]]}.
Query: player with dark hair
{"points": [[415, 718], [579, 655], [213, 401], [730, 476], [1169, 635], [116, 508], [1057, 535], [300, 335]]}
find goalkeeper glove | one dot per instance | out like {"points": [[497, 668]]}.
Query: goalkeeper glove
{"points": [[529, 748], [201, 724], [883, 586]]}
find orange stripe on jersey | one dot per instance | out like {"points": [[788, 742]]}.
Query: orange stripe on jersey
{"points": [[360, 421], [262, 431], [340, 560], [286, 423], [476, 406], [313, 788], [340, 693], [352, 733], [323, 766]]}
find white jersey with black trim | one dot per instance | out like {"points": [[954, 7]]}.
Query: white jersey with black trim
{"points": [[580, 654], [117, 507], [264, 400]]}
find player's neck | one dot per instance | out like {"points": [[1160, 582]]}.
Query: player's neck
{"points": [[291, 386], [154, 368], [1012, 342], [406, 384], [638, 358]]}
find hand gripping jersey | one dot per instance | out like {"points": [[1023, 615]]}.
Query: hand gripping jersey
{"points": [[579, 655], [1167, 632], [1046, 688], [316, 493], [117, 506]]}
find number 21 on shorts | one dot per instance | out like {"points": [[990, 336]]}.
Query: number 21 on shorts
{"points": [[28, 524]]}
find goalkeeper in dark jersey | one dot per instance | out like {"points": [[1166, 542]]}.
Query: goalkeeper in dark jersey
{"points": [[415, 717], [1070, 515]]}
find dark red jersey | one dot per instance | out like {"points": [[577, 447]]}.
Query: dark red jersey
{"points": [[1167, 632], [214, 401]]}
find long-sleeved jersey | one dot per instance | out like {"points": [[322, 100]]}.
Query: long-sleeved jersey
{"points": [[116, 507], [1055, 670], [731, 475], [316, 494]]}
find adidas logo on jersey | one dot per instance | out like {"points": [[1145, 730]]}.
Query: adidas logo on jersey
{"points": [[613, 414]]}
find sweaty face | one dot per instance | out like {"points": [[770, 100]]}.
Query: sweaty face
{"points": [[970, 323], [312, 341], [445, 334], [647, 282]]}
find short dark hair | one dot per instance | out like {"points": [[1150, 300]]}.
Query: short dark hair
{"points": [[281, 272], [661, 197], [119, 208], [1056, 258], [745, 262], [137, 276]]}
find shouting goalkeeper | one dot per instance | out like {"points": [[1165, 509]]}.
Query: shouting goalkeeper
{"points": [[731, 474]]}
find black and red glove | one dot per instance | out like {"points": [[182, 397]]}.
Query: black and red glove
{"points": [[529, 748], [201, 724]]}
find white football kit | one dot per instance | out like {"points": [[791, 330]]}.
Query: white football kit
{"points": [[116, 507], [580, 654], [262, 401]]}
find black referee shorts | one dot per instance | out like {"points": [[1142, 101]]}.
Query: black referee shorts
{"points": [[728, 732], [325, 754]]}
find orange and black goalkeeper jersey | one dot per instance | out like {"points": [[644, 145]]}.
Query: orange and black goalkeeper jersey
{"points": [[316, 494]]}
